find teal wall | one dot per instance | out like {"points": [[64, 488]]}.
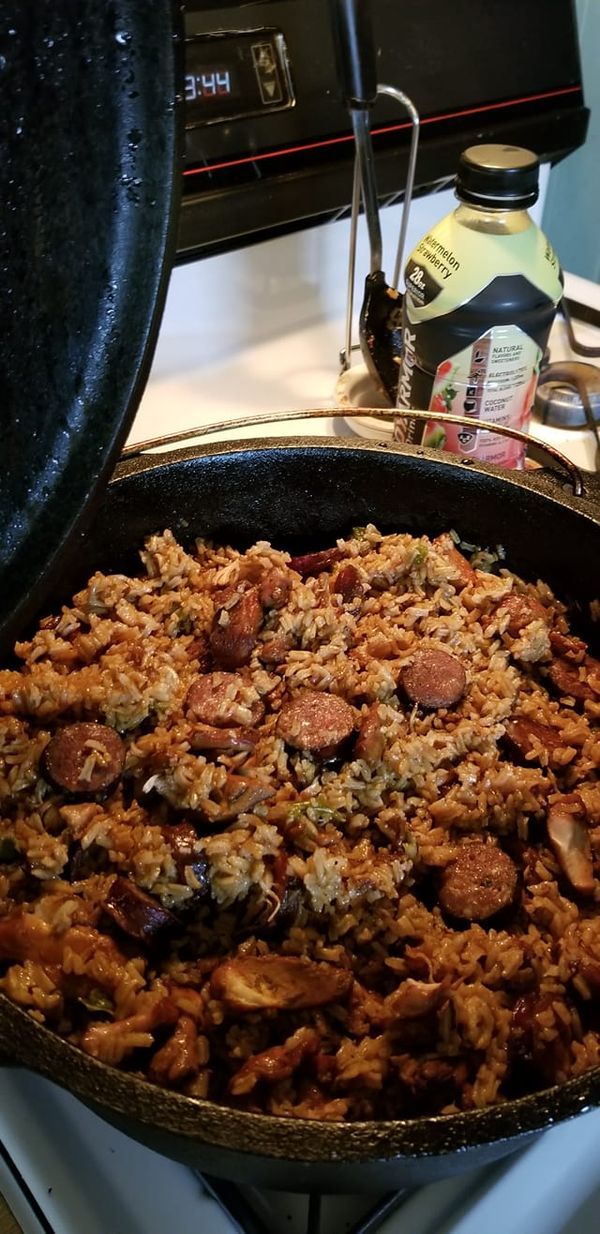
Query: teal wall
{"points": [[571, 216]]}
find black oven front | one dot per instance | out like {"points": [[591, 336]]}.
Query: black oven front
{"points": [[268, 146]]}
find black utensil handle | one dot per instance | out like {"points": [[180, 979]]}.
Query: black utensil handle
{"points": [[355, 51]]}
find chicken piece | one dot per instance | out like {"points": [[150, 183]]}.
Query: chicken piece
{"points": [[135, 912], [412, 1000], [277, 983], [111, 1043], [179, 1058], [277, 1063]]}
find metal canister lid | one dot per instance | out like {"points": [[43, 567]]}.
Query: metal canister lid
{"points": [[501, 177]]}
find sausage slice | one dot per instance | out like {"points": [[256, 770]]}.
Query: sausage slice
{"points": [[462, 570], [84, 758], [522, 609], [311, 564], [274, 587], [347, 583], [214, 699], [568, 646], [434, 679], [572, 679], [136, 913], [524, 737], [480, 882], [235, 627], [316, 721]]}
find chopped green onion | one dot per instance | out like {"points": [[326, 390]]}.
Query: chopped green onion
{"points": [[97, 1001], [316, 810]]}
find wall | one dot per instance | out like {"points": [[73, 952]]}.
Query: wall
{"points": [[572, 212]]}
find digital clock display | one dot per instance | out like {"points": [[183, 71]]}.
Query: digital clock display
{"points": [[232, 75], [210, 83]]}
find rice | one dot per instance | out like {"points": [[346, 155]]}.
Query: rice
{"points": [[246, 917]]}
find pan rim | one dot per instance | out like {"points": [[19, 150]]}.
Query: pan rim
{"points": [[310, 1141], [303, 1141]]}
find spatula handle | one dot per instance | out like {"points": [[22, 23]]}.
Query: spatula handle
{"points": [[355, 51]]}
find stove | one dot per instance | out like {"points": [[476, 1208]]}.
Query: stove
{"points": [[271, 343]]}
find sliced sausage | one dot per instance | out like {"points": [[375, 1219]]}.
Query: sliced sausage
{"points": [[462, 569], [370, 742], [568, 647], [84, 758], [316, 721], [573, 679], [478, 883], [347, 583], [214, 699], [274, 651], [278, 983], [234, 740], [524, 737], [274, 587], [568, 834], [136, 913], [315, 563], [522, 609], [434, 679], [235, 628]]}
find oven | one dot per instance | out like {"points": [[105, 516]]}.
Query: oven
{"points": [[268, 144]]}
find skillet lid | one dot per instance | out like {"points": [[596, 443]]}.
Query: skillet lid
{"points": [[91, 170]]}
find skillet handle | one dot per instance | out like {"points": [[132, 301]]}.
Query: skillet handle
{"points": [[355, 51], [379, 413]]}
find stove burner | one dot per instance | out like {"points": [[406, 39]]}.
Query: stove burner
{"points": [[559, 400], [246, 1220]]}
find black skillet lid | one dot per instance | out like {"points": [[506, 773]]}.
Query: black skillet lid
{"points": [[89, 149]]}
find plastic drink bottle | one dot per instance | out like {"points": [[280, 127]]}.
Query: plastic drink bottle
{"points": [[482, 289]]}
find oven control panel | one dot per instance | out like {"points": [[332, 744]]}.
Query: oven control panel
{"points": [[268, 139], [237, 74]]}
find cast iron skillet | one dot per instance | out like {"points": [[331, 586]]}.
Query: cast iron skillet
{"points": [[306, 492]]}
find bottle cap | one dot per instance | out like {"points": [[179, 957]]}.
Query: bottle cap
{"points": [[501, 177]]}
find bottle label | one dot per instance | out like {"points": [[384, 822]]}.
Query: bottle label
{"points": [[493, 379]]}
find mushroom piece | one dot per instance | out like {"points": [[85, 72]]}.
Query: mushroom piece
{"points": [[568, 834]]}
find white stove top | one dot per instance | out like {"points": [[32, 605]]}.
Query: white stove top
{"points": [[261, 330]]}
